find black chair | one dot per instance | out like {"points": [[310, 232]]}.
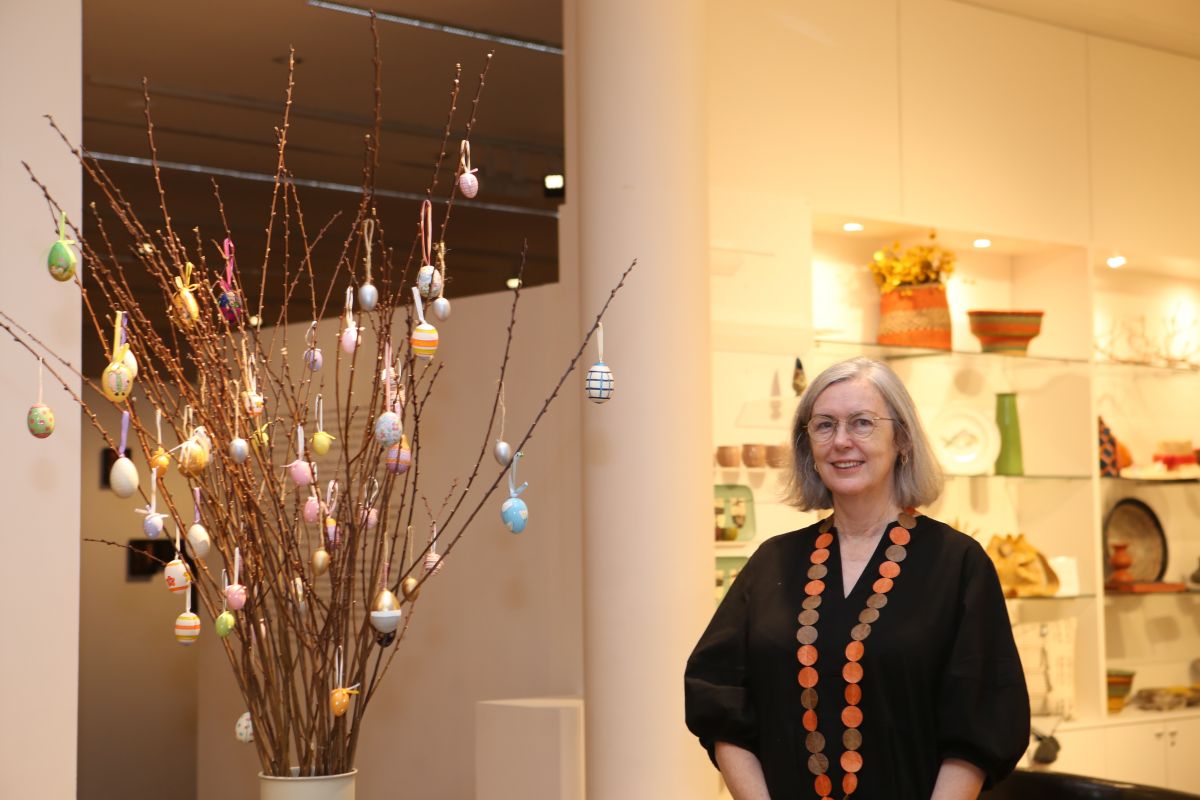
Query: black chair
{"points": [[1029, 785]]}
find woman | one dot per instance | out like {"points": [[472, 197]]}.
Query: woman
{"points": [[906, 681]]}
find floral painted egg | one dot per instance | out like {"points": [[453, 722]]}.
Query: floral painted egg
{"points": [[321, 442], [514, 514], [599, 383], [235, 596], [503, 452], [252, 403], [424, 341], [320, 561], [231, 305], [152, 525], [117, 381], [187, 628], [429, 281], [239, 450], [440, 308], [312, 509], [193, 458], [368, 297], [313, 358], [244, 729], [123, 477], [388, 428], [225, 623], [61, 261], [468, 184], [160, 460], [301, 472], [350, 339], [40, 420], [177, 575], [185, 308], [200, 541]]}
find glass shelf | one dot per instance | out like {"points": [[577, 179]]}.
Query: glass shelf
{"points": [[1019, 478], [1051, 599], [1149, 481], [896, 352]]}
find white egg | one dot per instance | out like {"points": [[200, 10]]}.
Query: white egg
{"points": [[503, 452], [244, 729], [239, 450], [368, 296], [441, 308], [199, 540], [123, 477]]}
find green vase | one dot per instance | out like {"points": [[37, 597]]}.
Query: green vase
{"points": [[1009, 462]]}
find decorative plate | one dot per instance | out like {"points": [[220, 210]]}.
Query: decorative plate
{"points": [[1134, 523], [965, 441]]}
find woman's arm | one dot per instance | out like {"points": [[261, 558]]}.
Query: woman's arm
{"points": [[956, 780], [743, 774]]}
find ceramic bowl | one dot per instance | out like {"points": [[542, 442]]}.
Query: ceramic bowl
{"points": [[728, 456], [1006, 332], [754, 455], [779, 455]]}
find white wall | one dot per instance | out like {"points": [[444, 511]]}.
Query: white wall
{"points": [[39, 573]]}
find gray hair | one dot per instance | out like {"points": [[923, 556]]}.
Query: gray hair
{"points": [[918, 475]]}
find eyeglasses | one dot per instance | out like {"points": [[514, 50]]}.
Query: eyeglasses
{"points": [[862, 425]]}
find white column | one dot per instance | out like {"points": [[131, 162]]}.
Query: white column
{"points": [[40, 73], [636, 179]]}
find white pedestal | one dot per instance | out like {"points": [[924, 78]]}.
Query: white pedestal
{"points": [[529, 749]]}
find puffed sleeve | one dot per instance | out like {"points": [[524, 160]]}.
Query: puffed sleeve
{"points": [[717, 704], [983, 704]]}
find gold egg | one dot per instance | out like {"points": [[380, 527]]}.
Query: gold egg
{"points": [[410, 587], [339, 701], [160, 461], [320, 561], [193, 458], [386, 600], [186, 309]]}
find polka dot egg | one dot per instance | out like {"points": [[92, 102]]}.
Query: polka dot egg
{"points": [[244, 729], [40, 420]]}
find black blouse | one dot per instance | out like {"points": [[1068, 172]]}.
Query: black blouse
{"points": [[942, 678]]}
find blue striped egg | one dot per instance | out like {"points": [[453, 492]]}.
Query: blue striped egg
{"points": [[599, 383]]}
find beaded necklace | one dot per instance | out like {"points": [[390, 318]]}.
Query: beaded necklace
{"points": [[852, 672]]}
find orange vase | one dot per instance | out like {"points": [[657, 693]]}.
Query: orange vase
{"points": [[915, 315]]}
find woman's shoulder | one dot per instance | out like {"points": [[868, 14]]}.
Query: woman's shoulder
{"points": [[785, 545], [951, 543]]}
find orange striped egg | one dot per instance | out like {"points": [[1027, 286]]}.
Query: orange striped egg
{"points": [[424, 341], [187, 628]]}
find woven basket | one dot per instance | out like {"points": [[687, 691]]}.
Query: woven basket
{"points": [[915, 316]]}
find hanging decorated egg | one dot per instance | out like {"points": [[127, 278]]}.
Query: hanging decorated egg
{"points": [[410, 587], [235, 596], [429, 281], [184, 307], [424, 341], [301, 472], [62, 260], [331, 530], [503, 452], [386, 621], [40, 420], [599, 383], [152, 525], [388, 428], [230, 304], [514, 514], [314, 359], [239, 450], [312, 509], [130, 362], [368, 297], [321, 442], [187, 628], [320, 561], [225, 623], [177, 575], [369, 518], [252, 403], [199, 540], [440, 308], [339, 701], [468, 184], [160, 460], [399, 457], [350, 339], [123, 477], [193, 458], [117, 381], [262, 436], [200, 435], [244, 729]]}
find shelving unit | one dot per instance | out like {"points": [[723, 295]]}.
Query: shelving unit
{"points": [[1060, 503]]}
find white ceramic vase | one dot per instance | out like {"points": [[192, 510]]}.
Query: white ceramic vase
{"points": [[317, 787]]}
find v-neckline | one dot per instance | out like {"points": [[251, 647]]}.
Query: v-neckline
{"points": [[835, 559]]}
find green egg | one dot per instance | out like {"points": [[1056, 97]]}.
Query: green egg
{"points": [[225, 623], [61, 261]]}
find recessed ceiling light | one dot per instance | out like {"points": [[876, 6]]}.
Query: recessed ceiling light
{"points": [[553, 181], [982, 243], [513, 283], [852, 227], [1115, 260]]}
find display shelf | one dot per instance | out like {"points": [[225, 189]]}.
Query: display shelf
{"points": [[1052, 598], [1191, 590], [896, 353], [1149, 481], [1019, 478]]}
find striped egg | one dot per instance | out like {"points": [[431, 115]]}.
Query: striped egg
{"points": [[399, 457], [468, 184], [599, 383], [424, 341], [187, 628], [40, 420]]}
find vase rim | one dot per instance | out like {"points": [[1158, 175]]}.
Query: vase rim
{"points": [[296, 776]]}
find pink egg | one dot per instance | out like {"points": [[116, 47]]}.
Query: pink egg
{"points": [[235, 596], [312, 509]]}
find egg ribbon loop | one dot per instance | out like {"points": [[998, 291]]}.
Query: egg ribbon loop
{"points": [[62, 229], [441, 251], [503, 410], [41, 366], [349, 306], [118, 349], [237, 411], [300, 443], [386, 572], [371, 492], [237, 565], [388, 376], [124, 432], [310, 336], [368, 239], [464, 158], [420, 305], [158, 425], [187, 603], [227, 283], [152, 509], [184, 282], [426, 225], [319, 412], [196, 516], [600, 339], [433, 553], [513, 489], [224, 586]]}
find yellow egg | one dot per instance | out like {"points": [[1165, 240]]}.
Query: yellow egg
{"points": [[193, 458], [160, 461], [117, 381], [186, 309], [321, 442], [339, 701]]}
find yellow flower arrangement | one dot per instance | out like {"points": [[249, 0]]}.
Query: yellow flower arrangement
{"points": [[921, 263]]}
